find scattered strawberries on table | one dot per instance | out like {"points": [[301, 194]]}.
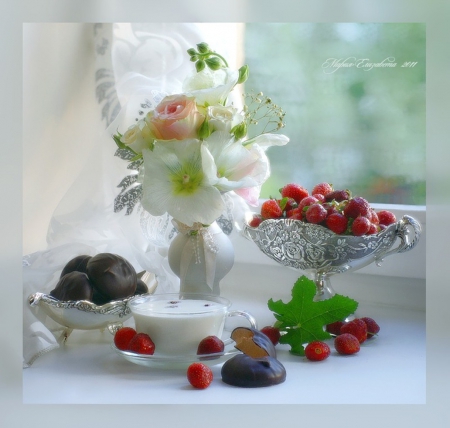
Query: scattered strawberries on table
{"points": [[142, 344], [210, 345], [123, 337], [317, 351], [372, 327], [346, 344], [272, 333], [357, 328], [335, 209], [199, 375]]}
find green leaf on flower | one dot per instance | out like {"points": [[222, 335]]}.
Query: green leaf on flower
{"points": [[302, 319]]}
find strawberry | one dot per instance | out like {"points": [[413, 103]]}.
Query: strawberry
{"points": [[338, 196], [255, 221], [316, 214], [337, 222], [286, 204], [317, 351], [334, 328], [199, 375], [142, 344], [386, 217], [272, 333], [294, 191], [346, 344], [322, 189], [360, 226], [373, 229], [210, 345], [357, 328], [306, 202], [357, 207], [123, 337], [295, 214], [372, 327], [271, 209]]}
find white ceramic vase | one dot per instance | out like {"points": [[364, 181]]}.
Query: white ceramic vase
{"points": [[201, 256]]}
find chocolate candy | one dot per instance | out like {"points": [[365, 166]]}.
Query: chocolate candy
{"points": [[253, 342], [247, 372], [112, 277], [73, 286], [141, 287], [78, 264]]}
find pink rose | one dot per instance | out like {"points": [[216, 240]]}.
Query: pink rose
{"points": [[175, 118]]}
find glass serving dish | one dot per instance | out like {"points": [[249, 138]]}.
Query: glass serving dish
{"points": [[321, 253], [85, 315], [178, 361]]}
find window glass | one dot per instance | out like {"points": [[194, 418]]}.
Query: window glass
{"points": [[354, 97]]}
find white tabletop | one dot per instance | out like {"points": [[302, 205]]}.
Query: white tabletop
{"points": [[389, 369]]}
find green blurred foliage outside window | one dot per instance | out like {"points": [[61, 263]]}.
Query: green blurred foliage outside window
{"points": [[359, 129]]}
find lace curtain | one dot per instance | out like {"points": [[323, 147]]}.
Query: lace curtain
{"points": [[83, 82]]}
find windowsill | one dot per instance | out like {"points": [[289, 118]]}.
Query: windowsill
{"points": [[93, 373]]}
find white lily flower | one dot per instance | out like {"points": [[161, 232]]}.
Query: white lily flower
{"points": [[179, 180], [267, 140]]}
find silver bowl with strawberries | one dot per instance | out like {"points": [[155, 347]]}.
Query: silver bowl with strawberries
{"points": [[320, 252]]}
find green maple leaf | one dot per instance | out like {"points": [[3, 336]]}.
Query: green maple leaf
{"points": [[302, 320]]}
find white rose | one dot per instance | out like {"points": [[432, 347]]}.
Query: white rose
{"points": [[138, 137], [209, 86], [223, 118]]}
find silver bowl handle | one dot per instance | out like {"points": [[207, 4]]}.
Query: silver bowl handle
{"points": [[404, 226]]}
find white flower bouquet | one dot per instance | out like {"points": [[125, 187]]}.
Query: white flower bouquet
{"points": [[195, 146]]}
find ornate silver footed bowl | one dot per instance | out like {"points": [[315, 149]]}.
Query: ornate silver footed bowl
{"points": [[85, 315], [321, 253]]}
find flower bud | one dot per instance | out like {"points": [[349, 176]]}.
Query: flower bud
{"points": [[193, 58], [191, 52], [239, 131], [203, 47], [213, 63], [243, 74], [200, 65], [204, 131]]}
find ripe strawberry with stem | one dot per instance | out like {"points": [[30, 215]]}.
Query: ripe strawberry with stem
{"points": [[356, 207], [294, 191], [316, 214], [271, 209], [322, 189], [372, 327], [337, 223]]}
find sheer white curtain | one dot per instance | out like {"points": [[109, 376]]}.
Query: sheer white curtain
{"points": [[81, 83]]}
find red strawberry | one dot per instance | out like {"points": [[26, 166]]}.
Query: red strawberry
{"points": [[210, 345], [199, 375], [271, 209], [386, 217], [372, 327], [346, 344], [338, 196], [357, 328], [294, 191], [255, 221], [287, 204], [272, 333], [306, 202], [316, 214], [357, 207], [337, 223], [373, 229], [322, 189], [142, 344], [360, 226], [334, 328], [317, 351], [123, 337], [295, 214]]}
